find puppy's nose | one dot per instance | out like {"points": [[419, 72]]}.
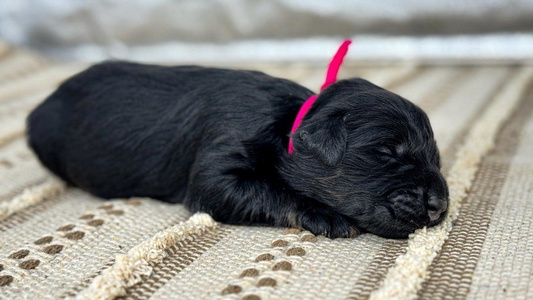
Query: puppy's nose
{"points": [[436, 206]]}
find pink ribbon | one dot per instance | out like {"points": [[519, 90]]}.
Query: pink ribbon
{"points": [[331, 77]]}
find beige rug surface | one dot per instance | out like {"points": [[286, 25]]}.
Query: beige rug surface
{"points": [[58, 242]]}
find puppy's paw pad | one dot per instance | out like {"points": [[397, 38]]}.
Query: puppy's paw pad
{"points": [[326, 222]]}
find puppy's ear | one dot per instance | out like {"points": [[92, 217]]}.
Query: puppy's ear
{"points": [[326, 140]]}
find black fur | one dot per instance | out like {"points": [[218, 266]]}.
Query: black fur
{"points": [[216, 140]]}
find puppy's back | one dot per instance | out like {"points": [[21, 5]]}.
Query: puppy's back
{"points": [[123, 129]]}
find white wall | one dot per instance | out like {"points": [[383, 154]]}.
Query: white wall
{"points": [[201, 29]]}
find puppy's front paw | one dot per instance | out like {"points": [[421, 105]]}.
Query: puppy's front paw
{"points": [[326, 222]]}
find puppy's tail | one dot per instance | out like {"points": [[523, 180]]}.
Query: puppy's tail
{"points": [[45, 130]]}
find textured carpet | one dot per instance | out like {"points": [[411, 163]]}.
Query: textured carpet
{"points": [[58, 242]]}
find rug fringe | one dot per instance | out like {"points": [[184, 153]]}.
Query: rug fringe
{"points": [[128, 268], [31, 196]]}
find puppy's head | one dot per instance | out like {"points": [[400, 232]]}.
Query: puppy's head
{"points": [[370, 155]]}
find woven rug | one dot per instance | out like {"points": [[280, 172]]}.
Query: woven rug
{"points": [[58, 242]]}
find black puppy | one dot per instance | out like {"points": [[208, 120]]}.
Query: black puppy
{"points": [[216, 140]]}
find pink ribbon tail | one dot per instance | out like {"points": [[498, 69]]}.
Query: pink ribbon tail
{"points": [[331, 77]]}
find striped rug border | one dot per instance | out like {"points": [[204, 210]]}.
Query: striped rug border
{"points": [[435, 98], [459, 139], [452, 271], [177, 259], [405, 278]]}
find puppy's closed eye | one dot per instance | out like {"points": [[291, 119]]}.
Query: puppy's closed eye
{"points": [[385, 151], [386, 154], [405, 168], [393, 157]]}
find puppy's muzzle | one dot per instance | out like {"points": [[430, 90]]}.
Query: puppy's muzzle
{"points": [[417, 207]]}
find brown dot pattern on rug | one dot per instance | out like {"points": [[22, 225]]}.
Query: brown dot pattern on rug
{"points": [[29, 264], [292, 231], [290, 244], [96, 223], [251, 297], [308, 238], [282, 265], [134, 202], [5, 280], [6, 163], [106, 206], [115, 212], [231, 289], [296, 251], [267, 281], [68, 227], [43, 240], [264, 257], [279, 243], [75, 235], [251, 272], [56, 248], [24, 155], [53, 249], [87, 217], [19, 254]]}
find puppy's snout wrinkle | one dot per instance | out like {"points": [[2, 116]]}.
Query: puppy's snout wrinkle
{"points": [[436, 206]]}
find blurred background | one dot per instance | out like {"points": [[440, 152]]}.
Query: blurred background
{"points": [[486, 31]]}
